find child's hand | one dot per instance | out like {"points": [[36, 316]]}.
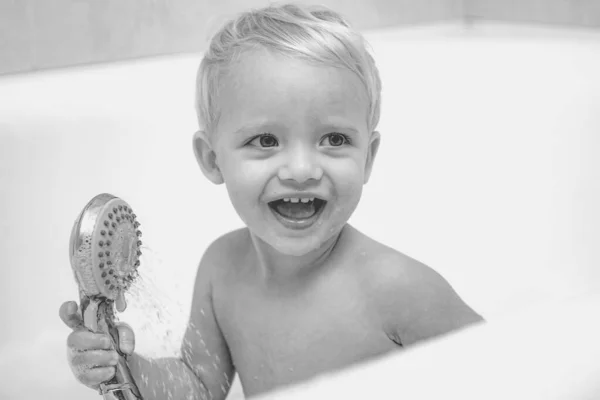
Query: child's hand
{"points": [[91, 355]]}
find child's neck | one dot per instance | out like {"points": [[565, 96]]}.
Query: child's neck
{"points": [[275, 267]]}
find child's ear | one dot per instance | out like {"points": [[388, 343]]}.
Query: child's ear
{"points": [[371, 153], [206, 157]]}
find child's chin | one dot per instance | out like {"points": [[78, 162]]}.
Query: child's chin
{"points": [[295, 246]]}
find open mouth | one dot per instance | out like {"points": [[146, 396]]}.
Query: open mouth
{"points": [[297, 209]]}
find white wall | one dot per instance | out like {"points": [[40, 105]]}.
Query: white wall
{"points": [[38, 35], [487, 172]]}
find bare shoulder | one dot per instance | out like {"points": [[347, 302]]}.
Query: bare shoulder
{"points": [[224, 252], [218, 260], [415, 302], [227, 245]]}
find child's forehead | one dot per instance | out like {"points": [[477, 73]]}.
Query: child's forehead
{"points": [[265, 70], [262, 81]]}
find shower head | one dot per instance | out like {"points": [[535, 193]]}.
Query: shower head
{"points": [[105, 249], [104, 254]]}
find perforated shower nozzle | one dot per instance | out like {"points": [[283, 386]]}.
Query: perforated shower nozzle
{"points": [[105, 248]]}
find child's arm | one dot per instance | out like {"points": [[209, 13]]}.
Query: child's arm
{"points": [[205, 369]]}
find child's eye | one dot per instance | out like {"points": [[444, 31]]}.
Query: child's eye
{"points": [[264, 140], [336, 139]]}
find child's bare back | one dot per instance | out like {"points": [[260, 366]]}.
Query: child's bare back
{"points": [[363, 301]]}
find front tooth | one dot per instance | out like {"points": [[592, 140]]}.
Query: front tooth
{"points": [[294, 200], [286, 199], [305, 200]]}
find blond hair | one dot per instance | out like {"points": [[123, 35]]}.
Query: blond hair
{"points": [[313, 33]]}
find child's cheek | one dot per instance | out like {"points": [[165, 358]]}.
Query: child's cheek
{"points": [[243, 172], [254, 171], [346, 173], [347, 177], [246, 181]]}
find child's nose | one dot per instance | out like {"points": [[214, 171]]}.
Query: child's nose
{"points": [[301, 166]]}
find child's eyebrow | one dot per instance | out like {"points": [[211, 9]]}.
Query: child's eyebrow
{"points": [[340, 127], [254, 126], [334, 123], [266, 126]]}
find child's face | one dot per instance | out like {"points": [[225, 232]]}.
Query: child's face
{"points": [[289, 129]]}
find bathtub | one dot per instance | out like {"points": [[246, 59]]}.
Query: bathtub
{"points": [[487, 172]]}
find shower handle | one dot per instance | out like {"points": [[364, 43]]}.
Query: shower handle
{"points": [[98, 317]]}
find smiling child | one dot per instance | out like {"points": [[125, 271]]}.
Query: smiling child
{"points": [[288, 104]]}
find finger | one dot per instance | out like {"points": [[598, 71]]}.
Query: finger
{"points": [[69, 315], [126, 338], [95, 376], [85, 340], [94, 358]]}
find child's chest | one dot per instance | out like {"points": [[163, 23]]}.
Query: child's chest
{"points": [[280, 339]]}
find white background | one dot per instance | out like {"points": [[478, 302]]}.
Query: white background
{"points": [[488, 172]]}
